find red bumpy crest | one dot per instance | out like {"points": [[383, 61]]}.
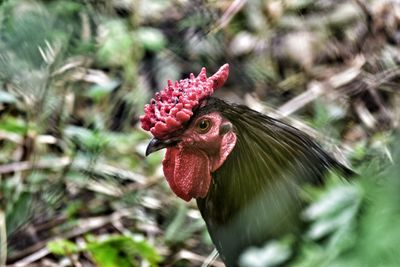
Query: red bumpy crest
{"points": [[174, 105]]}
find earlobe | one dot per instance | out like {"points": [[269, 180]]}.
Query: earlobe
{"points": [[224, 128], [227, 144]]}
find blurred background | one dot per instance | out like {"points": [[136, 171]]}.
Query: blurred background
{"points": [[75, 186]]}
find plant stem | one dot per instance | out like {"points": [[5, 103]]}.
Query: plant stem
{"points": [[3, 239]]}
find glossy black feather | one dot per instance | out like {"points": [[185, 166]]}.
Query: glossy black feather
{"points": [[254, 196]]}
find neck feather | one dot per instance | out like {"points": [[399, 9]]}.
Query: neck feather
{"points": [[269, 156]]}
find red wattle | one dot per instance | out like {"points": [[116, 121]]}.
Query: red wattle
{"points": [[188, 172], [169, 168]]}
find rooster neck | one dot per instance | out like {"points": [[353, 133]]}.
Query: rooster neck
{"points": [[254, 195], [267, 151]]}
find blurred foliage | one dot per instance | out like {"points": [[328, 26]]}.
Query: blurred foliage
{"points": [[74, 76], [113, 251], [351, 223]]}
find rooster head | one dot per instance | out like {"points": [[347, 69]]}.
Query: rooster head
{"points": [[198, 140]]}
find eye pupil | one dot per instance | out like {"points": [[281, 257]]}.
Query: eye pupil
{"points": [[203, 126]]}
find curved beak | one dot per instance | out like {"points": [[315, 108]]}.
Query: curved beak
{"points": [[156, 144]]}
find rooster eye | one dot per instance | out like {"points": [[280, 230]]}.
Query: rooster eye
{"points": [[203, 126]]}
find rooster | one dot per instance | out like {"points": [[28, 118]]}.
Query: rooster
{"points": [[244, 169]]}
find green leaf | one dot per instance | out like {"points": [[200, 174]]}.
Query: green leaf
{"points": [[91, 140], [123, 251], [116, 44], [13, 125], [151, 38], [338, 206], [98, 92], [273, 253], [62, 247], [18, 211], [179, 230]]}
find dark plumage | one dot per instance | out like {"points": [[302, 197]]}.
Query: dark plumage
{"points": [[254, 196]]}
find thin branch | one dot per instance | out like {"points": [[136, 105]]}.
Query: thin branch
{"points": [[211, 258], [228, 15], [99, 169], [187, 255], [3, 239], [27, 165], [316, 89]]}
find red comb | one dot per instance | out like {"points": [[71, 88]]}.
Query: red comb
{"points": [[174, 105]]}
